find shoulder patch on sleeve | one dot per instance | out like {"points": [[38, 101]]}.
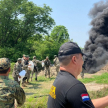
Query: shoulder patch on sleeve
{"points": [[85, 97]]}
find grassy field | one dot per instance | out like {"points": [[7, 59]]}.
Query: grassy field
{"points": [[37, 91], [101, 79]]}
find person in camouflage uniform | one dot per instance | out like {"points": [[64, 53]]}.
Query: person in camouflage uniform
{"points": [[47, 66], [28, 71], [35, 70], [56, 63], [10, 91], [82, 73], [25, 64], [17, 69], [83, 68]]}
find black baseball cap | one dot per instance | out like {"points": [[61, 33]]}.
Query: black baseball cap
{"points": [[69, 48]]}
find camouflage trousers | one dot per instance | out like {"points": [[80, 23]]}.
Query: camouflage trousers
{"points": [[27, 76], [16, 79], [47, 71], [35, 71], [57, 68]]}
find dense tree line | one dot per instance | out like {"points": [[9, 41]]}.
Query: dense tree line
{"points": [[24, 29]]}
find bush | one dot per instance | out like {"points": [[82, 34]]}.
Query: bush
{"points": [[12, 66]]}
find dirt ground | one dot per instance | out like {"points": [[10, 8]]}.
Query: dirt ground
{"points": [[90, 86], [94, 86]]}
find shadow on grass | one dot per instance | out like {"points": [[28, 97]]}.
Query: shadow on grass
{"points": [[41, 96], [52, 78], [45, 79], [34, 86], [30, 93]]}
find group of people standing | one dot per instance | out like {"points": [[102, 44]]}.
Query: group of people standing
{"points": [[10, 90], [23, 64], [66, 92]]}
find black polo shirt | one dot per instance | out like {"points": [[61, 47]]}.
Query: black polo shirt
{"points": [[68, 92]]}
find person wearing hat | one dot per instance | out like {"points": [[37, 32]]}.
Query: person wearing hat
{"points": [[83, 69], [28, 70], [17, 69], [35, 70], [25, 64], [9, 89], [47, 66], [56, 63], [67, 91]]}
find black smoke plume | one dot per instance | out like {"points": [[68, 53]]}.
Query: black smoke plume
{"points": [[97, 46]]}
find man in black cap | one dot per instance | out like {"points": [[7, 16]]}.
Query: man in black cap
{"points": [[67, 91]]}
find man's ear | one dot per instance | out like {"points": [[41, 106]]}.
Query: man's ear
{"points": [[74, 59]]}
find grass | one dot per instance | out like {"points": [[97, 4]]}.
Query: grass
{"points": [[37, 91], [101, 79]]}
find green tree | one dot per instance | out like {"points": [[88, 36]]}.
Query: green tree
{"points": [[50, 44], [20, 22], [21, 19], [60, 34]]}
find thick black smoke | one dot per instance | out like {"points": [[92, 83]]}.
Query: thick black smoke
{"points": [[98, 8], [97, 45]]}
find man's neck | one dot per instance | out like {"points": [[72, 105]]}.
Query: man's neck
{"points": [[69, 70]]}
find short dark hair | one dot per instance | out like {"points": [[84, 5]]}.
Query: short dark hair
{"points": [[65, 60], [4, 71]]}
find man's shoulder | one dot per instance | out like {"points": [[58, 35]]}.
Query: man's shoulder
{"points": [[9, 83], [16, 63], [9, 90], [66, 77], [23, 60], [35, 60], [49, 60], [13, 83], [45, 60]]}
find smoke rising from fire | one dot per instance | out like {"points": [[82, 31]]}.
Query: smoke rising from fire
{"points": [[97, 45]]}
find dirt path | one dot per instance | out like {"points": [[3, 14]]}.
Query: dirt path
{"points": [[94, 86]]}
